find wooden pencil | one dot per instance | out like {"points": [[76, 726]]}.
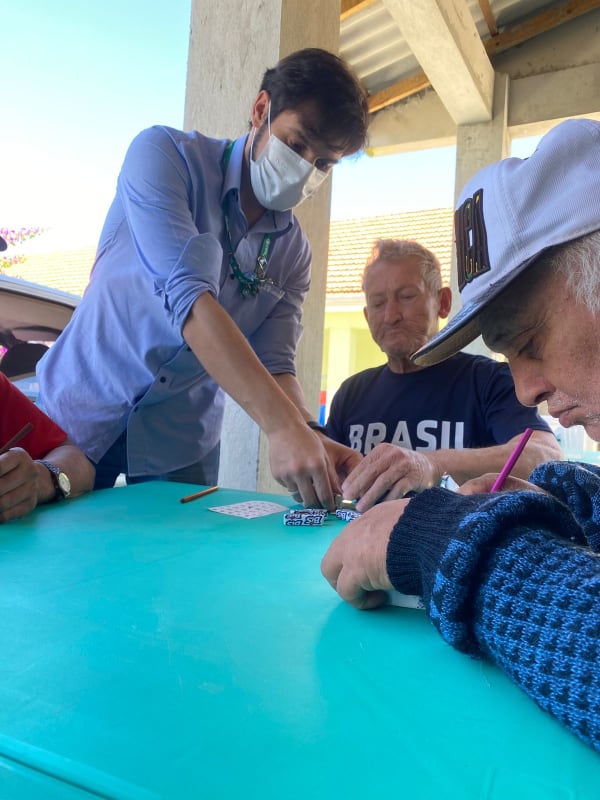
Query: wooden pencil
{"points": [[188, 498], [16, 438]]}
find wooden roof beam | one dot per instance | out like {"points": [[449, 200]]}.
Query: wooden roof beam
{"points": [[351, 7], [513, 35], [488, 15], [442, 36], [510, 37]]}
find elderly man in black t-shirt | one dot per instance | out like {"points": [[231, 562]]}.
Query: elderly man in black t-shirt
{"points": [[416, 424]]}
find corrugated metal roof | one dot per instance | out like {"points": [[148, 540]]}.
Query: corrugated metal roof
{"points": [[372, 41]]}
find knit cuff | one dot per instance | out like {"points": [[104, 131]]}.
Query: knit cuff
{"points": [[421, 536]]}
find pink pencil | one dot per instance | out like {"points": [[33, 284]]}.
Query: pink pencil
{"points": [[512, 460]]}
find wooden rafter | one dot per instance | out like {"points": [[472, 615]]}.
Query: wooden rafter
{"points": [[540, 23], [350, 7], [398, 91], [488, 15], [511, 36]]}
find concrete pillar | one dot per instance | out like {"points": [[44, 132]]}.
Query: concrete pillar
{"points": [[476, 146], [339, 356], [231, 44]]}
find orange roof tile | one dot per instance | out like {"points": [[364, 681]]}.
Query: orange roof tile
{"points": [[350, 243], [68, 270]]}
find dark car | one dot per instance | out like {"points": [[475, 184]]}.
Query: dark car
{"points": [[31, 319]]}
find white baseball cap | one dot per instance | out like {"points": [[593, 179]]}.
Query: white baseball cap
{"points": [[512, 211]]}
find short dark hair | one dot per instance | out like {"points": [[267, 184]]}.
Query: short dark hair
{"points": [[320, 77]]}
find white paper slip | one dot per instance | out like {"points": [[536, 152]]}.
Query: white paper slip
{"points": [[448, 482], [405, 600], [250, 509]]}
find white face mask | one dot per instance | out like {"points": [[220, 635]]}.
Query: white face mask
{"points": [[281, 179]]}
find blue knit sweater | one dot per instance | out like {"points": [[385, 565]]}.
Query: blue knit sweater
{"points": [[514, 578]]}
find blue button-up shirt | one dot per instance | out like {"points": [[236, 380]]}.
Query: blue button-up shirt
{"points": [[122, 363]]}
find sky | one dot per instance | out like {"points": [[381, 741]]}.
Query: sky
{"points": [[85, 77]]}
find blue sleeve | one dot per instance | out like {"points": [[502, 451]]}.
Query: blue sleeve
{"points": [[505, 417], [510, 577], [577, 485], [157, 192]]}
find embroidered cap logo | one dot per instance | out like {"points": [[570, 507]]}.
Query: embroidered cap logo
{"points": [[471, 240]]}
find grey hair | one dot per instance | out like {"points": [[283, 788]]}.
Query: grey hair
{"points": [[579, 262], [398, 250]]}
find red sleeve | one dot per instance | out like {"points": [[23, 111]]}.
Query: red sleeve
{"points": [[17, 410]]}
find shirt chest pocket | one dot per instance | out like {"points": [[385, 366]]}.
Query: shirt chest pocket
{"points": [[249, 312]]}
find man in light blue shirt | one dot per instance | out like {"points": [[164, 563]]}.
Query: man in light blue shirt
{"points": [[197, 290]]}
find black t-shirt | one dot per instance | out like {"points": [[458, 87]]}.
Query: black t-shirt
{"points": [[466, 401]]}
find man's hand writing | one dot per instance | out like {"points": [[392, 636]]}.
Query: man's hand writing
{"points": [[21, 485]]}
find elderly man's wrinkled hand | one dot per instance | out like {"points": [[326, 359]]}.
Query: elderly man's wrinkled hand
{"points": [[355, 564], [391, 471]]}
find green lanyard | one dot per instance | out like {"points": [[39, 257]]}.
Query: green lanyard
{"points": [[248, 286]]}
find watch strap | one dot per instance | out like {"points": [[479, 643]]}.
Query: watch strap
{"points": [[55, 472], [315, 426]]}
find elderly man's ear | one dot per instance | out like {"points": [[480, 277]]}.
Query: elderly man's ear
{"points": [[445, 302]]}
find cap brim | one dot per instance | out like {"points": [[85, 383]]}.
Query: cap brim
{"points": [[464, 327], [458, 333]]}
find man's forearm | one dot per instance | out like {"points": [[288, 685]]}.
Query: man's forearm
{"points": [[291, 386], [473, 462], [228, 358], [297, 458], [72, 461]]}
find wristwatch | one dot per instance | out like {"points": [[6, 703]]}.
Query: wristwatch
{"points": [[62, 484]]}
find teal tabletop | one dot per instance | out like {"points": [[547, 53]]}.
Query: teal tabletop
{"points": [[153, 649]]}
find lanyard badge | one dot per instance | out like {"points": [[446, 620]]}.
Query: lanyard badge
{"points": [[249, 285]]}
